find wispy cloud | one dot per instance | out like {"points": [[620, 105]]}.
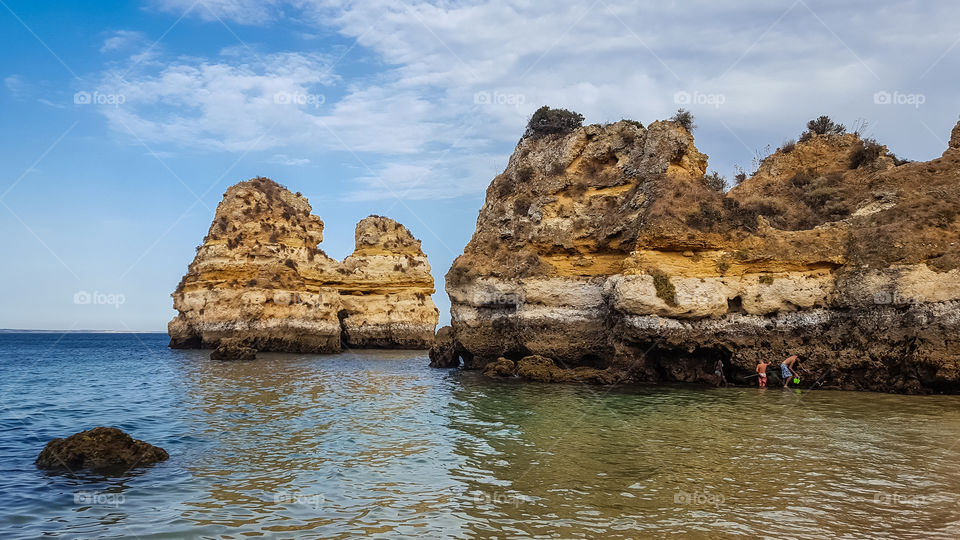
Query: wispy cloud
{"points": [[122, 40], [458, 80], [241, 11], [283, 159], [16, 85]]}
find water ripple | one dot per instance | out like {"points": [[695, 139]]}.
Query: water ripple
{"points": [[376, 444]]}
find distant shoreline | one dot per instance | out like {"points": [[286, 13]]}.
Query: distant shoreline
{"points": [[18, 331]]}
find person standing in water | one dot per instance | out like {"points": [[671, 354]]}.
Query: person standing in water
{"points": [[718, 372], [786, 369], [762, 373]]}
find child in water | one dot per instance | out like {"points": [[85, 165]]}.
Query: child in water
{"points": [[762, 373]]}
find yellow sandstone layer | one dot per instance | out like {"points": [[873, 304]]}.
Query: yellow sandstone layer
{"points": [[259, 276], [607, 248]]}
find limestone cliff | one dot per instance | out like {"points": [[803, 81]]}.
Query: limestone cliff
{"points": [[260, 277], [606, 247]]}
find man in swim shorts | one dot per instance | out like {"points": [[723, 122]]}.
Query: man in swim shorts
{"points": [[762, 373], [786, 369]]}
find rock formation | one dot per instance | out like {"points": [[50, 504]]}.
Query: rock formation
{"points": [[260, 277], [607, 248], [101, 449], [233, 349], [444, 351]]}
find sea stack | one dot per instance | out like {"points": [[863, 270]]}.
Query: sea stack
{"points": [[259, 277], [610, 248]]}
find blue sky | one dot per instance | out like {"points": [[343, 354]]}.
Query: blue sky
{"points": [[123, 122]]}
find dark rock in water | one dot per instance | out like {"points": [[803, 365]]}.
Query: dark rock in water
{"points": [[443, 352], [542, 369], [536, 368], [501, 367], [101, 449], [233, 349]]}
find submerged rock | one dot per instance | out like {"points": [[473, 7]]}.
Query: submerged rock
{"points": [[443, 352], [101, 449], [501, 367], [233, 349], [542, 369], [260, 277], [608, 248]]}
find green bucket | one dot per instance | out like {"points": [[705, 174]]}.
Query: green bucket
{"points": [[796, 380]]}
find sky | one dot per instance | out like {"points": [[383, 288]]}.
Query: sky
{"points": [[123, 122]]}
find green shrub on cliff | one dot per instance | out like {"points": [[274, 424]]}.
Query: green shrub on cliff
{"points": [[822, 125], [665, 289], [525, 173], [707, 218], [546, 121], [715, 182], [685, 119], [866, 152]]}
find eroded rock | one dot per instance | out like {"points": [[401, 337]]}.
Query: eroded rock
{"points": [[501, 367], [259, 276], [101, 449], [606, 248], [443, 352], [233, 349], [542, 369]]}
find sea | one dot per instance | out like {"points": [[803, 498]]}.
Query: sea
{"points": [[375, 444]]}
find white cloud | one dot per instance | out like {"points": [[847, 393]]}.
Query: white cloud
{"points": [[418, 121], [434, 178], [283, 159], [232, 105], [123, 39], [22, 89], [241, 11], [16, 85]]}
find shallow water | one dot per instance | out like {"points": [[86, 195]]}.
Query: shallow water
{"points": [[374, 443]]}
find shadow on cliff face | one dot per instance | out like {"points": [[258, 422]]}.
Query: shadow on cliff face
{"points": [[664, 364]]}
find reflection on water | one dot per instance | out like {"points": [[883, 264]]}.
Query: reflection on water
{"points": [[374, 443]]}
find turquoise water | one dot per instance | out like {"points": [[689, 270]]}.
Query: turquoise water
{"points": [[374, 443]]}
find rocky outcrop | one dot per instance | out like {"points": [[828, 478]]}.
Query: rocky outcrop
{"points": [[101, 449], [260, 277], [444, 352], [607, 248], [233, 349], [501, 367], [955, 137], [385, 288]]}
